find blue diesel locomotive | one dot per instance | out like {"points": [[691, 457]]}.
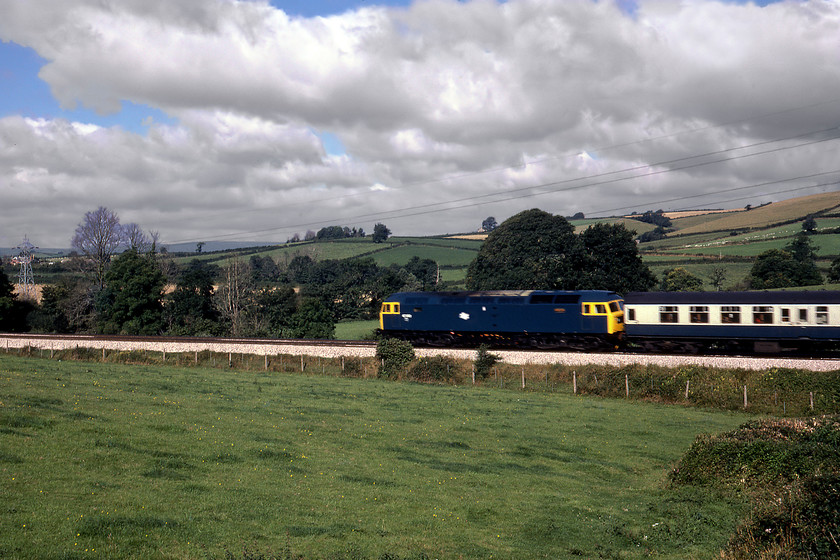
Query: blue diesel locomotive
{"points": [[581, 320]]}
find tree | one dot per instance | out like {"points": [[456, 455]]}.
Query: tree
{"points": [[579, 216], [680, 280], [772, 269], [130, 303], [531, 250], [718, 277], [424, 270], [489, 224], [235, 295], [312, 320], [802, 250], [98, 237], [834, 271], [380, 233], [190, 308], [614, 262], [13, 311], [809, 225], [330, 232], [50, 316]]}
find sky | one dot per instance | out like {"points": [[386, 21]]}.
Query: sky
{"points": [[249, 120]]}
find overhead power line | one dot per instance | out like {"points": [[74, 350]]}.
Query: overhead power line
{"points": [[608, 177]]}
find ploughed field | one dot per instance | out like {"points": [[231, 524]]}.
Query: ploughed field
{"points": [[131, 461]]}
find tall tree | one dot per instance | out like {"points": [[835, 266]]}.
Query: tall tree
{"points": [[531, 250], [130, 303], [796, 265], [614, 262], [98, 237], [191, 309], [380, 233], [773, 269], [489, 224]]}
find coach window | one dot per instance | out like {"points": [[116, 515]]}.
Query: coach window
{"points": [[668, 314], [785, 315], [803, 315], [631, 314], [699, 314], [730, 314], [822, 315], [762, 314]]}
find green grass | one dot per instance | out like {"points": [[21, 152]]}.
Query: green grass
{"points": [[118, 461], [355, 330], [444, 256]]}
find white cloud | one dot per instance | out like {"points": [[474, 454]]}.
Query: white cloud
{"points": [[440, 101]]}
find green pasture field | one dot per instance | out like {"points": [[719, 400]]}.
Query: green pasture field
{"points": [[825, 246], [735, 272], [444, 256], [355, 330], [130, 461]]}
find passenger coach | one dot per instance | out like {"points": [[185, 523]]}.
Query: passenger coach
{"points": [[584, 320], [749, 321]]}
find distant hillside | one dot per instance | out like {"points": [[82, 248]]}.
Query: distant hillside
{"points": [[765, 216]]}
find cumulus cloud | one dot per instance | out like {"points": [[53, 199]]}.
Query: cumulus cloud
{"points": [[479, 107]]}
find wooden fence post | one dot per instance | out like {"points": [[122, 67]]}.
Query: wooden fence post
{"points": [[812, 400], [627, 385], [574, 382], [686, 390], [745, 396], [523, 377]]}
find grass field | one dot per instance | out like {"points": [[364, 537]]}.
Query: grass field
{"points": [[120, 461]]}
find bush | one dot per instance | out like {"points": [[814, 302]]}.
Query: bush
{"points": [[394, 356], [436, 368], [484, 360]]}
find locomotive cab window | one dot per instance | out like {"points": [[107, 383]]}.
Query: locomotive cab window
{"points": [[390, 308], [668, 314], [699, 314], [730, 314], [762, 314], [822, 315]]}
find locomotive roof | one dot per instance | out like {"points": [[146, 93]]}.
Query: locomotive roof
{"points": [[597, 294], [764, 297]]}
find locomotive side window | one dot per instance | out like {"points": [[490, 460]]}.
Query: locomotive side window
{"points": [[762, 314], [668, 314], [601, 308], [730, 314], [699, 314], [785, 315], [822, 315]]}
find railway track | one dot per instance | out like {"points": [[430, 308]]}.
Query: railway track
{"points": [[358, 348]]}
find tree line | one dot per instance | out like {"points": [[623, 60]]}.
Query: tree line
{"points": [[129, 287]]}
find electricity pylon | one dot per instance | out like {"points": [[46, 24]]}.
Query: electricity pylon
{"points": [[26, 282]]}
